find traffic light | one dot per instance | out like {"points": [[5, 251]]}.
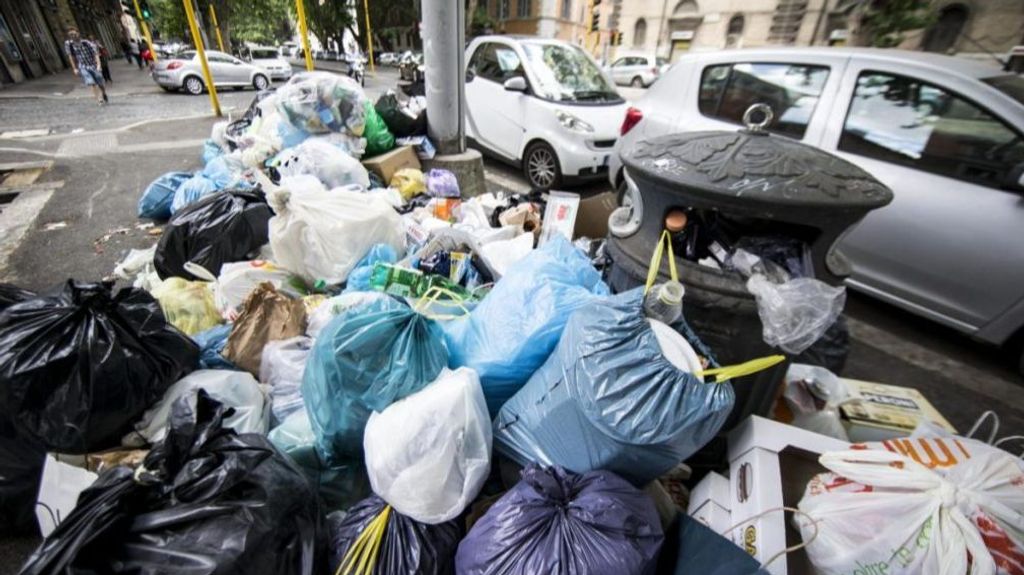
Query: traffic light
{"points": [[595, 21], [147, 14]]}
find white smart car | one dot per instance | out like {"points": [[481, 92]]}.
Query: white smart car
{"points": [[541, 104]]}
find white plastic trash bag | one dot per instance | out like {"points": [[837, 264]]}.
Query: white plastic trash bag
{"points": [[236, 389], [59, 488], [946, 505], [238, 279], [331, 307], [322, 235], [281, 367], [323, 160], [428, 455]]}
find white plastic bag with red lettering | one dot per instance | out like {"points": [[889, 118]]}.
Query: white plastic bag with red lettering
{"points": [[916, 506]]}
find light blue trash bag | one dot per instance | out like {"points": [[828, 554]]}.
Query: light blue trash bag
{"points": [[365, 359], [211, 151], [156, 201], [513, 330], [191, 190], [359, 277], [608, 398]]}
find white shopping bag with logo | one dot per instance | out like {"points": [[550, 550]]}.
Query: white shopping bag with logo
{"points": [[936, 505], [58, 492]]}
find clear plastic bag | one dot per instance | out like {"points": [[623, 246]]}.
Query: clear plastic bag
{"points": [[323, 160], [281, 367], [188, 305], [429, 454], [796, 313], [320, 102], [813, 394]]}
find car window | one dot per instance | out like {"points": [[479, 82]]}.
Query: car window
{"points": [[219, 58], [791, 90], [636, 61], [661, 61], [905, 121], [1010, 84], [621, 62], [264, 54], [496, 62]]}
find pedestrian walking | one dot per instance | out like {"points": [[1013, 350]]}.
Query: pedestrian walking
{"points": [[85, 62], [136, 52], [126, 49], [104, 59]]}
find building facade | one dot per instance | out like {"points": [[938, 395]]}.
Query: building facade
{"points": [[563, 19]]}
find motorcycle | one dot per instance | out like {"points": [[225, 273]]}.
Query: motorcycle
{"points": [[357, 71]]}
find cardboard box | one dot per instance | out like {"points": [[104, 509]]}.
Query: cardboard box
{"points": [[385, 165], [59, 488], [875, 411], [713, 487], [770, 465], [592, 221], [714, 516]]}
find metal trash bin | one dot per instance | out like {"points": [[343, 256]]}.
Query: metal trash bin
{"points": [[758, 182]]}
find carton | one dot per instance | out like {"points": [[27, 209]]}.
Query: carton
{"points": [[385, 165], [877, 411], [592, 220]]}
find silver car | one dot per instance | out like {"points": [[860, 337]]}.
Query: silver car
{"points": [[183, 71], [638, 71], [945, 134], [270, 60]]}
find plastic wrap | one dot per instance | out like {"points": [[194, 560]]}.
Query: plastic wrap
{"points": [[796, 313]]}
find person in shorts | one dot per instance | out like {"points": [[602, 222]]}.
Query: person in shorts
{"points": [[85, 62]]}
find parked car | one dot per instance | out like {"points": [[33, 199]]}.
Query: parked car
{"points": [[638, 71], [386, 59], [411, 67], [945, 134], [542, 104], [184, 71], [270, 60]]}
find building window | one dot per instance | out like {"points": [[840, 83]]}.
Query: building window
{"points": [[523, 8], [735, 31], [503, 9], [685, 8], [640, 33], [942, 36], [791, 90], [907, 122], [566, 9]]}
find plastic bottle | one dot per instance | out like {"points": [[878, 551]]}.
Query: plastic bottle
{"points": [[665, 302]]}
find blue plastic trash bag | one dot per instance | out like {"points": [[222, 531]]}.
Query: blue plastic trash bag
{"points": [[691, 547], [359, 277], [210, 151], [156, 201], [192, 190], [514, 329], [367, 357], [554, 521], [211, 343], [226, 172], [290, 135], [608, 398]]}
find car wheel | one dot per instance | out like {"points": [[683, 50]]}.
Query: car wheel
{"points": [[637, 82], [260, 82], [540, 166], [193, 85]]}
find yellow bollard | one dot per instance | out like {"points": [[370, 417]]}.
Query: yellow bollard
{"points": [[216, 27], [301, 14], [369, 34], [145, 29], [201, 51]]}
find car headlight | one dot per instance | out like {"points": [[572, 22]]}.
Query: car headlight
{"points": [[572, 122]]}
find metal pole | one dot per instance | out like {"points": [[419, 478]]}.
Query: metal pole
{"points": [[201, 50], [145, 29], [444, 35], [304, 32], [369, 35], [216, 27]]}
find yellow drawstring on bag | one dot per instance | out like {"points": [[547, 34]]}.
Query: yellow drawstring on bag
{"points": [[652, 270], [431, 296], [741, 369], [361, 558]]}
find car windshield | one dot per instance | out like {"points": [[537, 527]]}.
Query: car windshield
{"points": [[564, 73], [264, 54], [1011, 84], [186, 55]]}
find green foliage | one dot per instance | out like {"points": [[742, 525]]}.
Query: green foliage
{"points": [[328, 19], [262, 22], [481, 22], [169, 19], [887, 20]]}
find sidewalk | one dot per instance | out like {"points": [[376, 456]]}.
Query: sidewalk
{"points": [[128, 80]]}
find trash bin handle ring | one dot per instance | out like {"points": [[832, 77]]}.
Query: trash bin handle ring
{"points": [[758, 127]]}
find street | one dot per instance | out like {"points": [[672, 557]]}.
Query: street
{"points": [[78, 219]]}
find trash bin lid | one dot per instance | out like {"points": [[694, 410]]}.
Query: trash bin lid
{"points": [[749, 167]]}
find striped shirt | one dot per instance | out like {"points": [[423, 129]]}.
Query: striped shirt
{"points": [[82, 52]]}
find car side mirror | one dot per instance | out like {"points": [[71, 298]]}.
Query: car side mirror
{"points": [[515, 84], [1014, 179], [237, 62], [470, 75]]}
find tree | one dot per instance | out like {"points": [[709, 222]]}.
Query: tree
{"points": [[259, 21], [886, 20], [385, 15], [328, 19]]}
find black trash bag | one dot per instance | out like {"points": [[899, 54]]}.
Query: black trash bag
{"points": [[392, 109], [11, 294], [21, 467], [220, 228], [78, 366], [409, 547], [206, 501]]}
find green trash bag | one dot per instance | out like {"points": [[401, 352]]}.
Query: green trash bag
{"points": [[378, 138]]}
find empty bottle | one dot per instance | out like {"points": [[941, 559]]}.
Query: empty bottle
{"points": [[665, 302]]}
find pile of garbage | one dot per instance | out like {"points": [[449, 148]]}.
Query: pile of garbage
{"points": [[333, 362]]}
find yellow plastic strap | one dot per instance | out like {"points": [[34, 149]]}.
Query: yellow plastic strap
{"points": [[652, 270], [432, 295], [741, 369], [361, 558]]}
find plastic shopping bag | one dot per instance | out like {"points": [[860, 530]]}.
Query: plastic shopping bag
{"points": [[281, 367], [514, 329], [946, 505], [554, 521], [206, 501], [80, 364], [409, 182], [187, 305], [321, 235], [156, 201], [235, 389], [378, 138], [429, 454], [237, 280], [367, 358]]}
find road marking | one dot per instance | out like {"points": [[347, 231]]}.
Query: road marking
{"points": [[91, 145], [152, 146], [18, 216], [970, 377], [24, 134]]}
